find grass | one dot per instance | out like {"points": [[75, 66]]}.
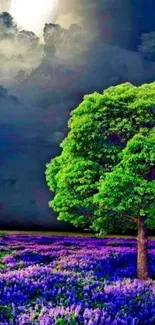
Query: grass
{"points": [[3, 233]]}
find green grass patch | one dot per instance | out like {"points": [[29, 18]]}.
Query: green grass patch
{"points": [[6, 311], [4, 253], [3, 266], [4, 233]]}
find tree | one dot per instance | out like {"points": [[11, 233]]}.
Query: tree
{"points": [[99, 129], [127, 194]]}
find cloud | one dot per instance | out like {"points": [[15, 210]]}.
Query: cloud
{"points": [[117, 22], [5, 5], [25, 148], [90, 51], [32, 15], [8, 27], [19, 50], [111, 20], [75, 63]]}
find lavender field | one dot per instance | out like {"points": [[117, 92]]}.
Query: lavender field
{"points": [[73, 280]]}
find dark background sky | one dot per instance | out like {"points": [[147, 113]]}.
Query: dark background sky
{"points": [[41, 84]]}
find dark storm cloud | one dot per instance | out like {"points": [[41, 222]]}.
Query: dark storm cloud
{"points": [[28, 139], [120, 22], [88, 52], [8, 27], [111, 20], [75, 63]]}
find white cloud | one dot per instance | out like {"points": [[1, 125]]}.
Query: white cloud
{"points": [[33, 14]]}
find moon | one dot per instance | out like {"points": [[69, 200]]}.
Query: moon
{"points": [[32, 15]]}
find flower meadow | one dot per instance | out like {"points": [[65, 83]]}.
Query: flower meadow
{"points": [[62, 280]]}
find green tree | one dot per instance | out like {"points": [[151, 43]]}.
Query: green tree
{"points": [[99, 129], [127, 194]]}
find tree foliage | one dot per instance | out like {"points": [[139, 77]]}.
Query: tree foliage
{"points": [[128, 191], [96, 151]]}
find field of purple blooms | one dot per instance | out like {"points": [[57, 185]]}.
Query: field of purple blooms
{"points": [[73, 280]]}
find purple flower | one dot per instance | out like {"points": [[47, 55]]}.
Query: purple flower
{"points": [[74, 280]]}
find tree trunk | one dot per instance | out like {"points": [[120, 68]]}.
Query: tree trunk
{"points": [[142, 258]]}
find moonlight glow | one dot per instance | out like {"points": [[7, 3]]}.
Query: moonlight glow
{"points": [[33, 14]]}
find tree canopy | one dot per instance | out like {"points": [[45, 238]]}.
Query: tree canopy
{"points": [[96, 151], [127, 193]]}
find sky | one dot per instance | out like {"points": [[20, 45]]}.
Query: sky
{"points": [[32, 15], [47, 65]]}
